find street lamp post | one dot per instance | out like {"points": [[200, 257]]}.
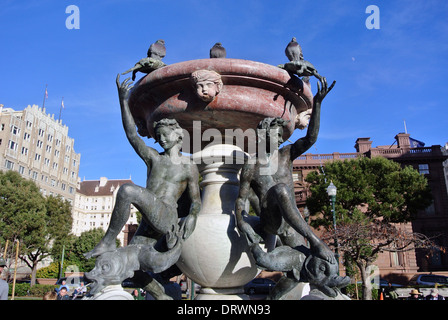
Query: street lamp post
{"points": [[331, 191]]}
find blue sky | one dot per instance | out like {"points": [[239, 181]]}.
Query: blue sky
{"points": [[384, 76]]}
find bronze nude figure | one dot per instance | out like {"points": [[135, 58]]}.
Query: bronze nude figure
{"points": [[167, 179], [275, 191]]}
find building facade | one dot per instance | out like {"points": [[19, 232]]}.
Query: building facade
{"points": [[37, 146], [433, 221], [94, 203]]}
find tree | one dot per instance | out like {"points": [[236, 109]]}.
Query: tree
{"points": [[74, 251], [22, 212], [374, 197], [82, 244], [26, 216]]}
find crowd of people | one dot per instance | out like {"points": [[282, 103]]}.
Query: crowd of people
{"points": [[417, 295], [63, 292], [391, 293]]}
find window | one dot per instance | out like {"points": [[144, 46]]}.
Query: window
{"points": [[15, 130], [9, 165], [297, 176], [423, 168], [12, 145]]}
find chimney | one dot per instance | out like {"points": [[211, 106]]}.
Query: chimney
{"points": [[103, 181], [363, 145], [403, 140]]}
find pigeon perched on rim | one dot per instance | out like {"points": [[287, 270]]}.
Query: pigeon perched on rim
{"points": [[297, 65], [293, 50], [153, 61], [157, 50], [217, 51]]}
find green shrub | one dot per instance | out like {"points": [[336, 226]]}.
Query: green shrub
{"points": [[52, 271], [39, 290], [24, 289], [21, 289]]}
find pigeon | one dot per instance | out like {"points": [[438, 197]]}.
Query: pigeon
{"points": [[297, 64], [153, 61], [157, 50], [293, 50], [217, 51]]}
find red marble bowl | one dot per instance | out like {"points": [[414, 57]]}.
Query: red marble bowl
{"points": [[252, 91]]}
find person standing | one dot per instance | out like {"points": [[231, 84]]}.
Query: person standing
{"points": [[4, 287]]}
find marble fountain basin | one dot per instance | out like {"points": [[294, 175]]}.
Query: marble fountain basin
{"points": [[251, 92]]}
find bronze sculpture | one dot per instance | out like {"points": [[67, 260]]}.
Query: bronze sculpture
{"points": [[265, 180], [167, 179], [297, 65], [153, 61], [272, 196], [135, 261], [275, 191]]}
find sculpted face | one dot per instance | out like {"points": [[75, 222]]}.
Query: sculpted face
{"points": [[270, 133], [108, 271], [275, 136], [166, 137], [168, 133], [207, 84], [206, 90]]}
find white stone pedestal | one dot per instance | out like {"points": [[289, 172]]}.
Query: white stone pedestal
{"points": [[113, 292], [216, 256]]}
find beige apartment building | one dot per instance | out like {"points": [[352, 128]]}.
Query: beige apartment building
{"points": [[94, 202], [37, 146]]}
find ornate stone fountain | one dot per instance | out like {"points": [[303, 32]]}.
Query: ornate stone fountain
{"points": [[216, 256], [219, 102]]}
